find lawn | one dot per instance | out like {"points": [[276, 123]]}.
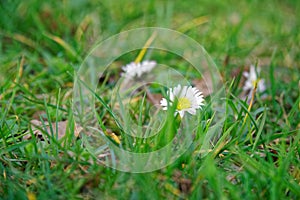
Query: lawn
{"points": [[66, 121]]}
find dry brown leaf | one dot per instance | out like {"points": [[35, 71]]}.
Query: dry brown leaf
{"points": [[60, 128], [204, 85], [184, 184], [154, 98]]}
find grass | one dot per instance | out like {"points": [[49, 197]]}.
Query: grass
{"points": [[42, 46]]}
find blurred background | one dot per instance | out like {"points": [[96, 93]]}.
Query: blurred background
{"points": [[54, 37]]}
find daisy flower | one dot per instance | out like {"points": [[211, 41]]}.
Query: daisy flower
{"points": [[252, 79], [188, 99], [134, 69]]}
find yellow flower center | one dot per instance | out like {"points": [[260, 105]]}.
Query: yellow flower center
{"points": [[183, 103], [255, 83]]}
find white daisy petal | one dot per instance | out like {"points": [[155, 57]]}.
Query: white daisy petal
{"points": [[246, 74], [181, 113], [164, 102], [252, 79], [189, 99], [192, 111], [176, 90], [261, 85], [133, 69], [184, 91]]}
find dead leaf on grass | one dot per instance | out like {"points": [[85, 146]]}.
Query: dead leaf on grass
{"points": [[204, 85], [59, 128]]}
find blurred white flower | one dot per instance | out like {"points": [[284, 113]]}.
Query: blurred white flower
{"points": [[188, 99], [252, 79], [134, 69]]}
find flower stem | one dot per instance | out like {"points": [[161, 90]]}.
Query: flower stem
{"points": [[146, 46]]}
